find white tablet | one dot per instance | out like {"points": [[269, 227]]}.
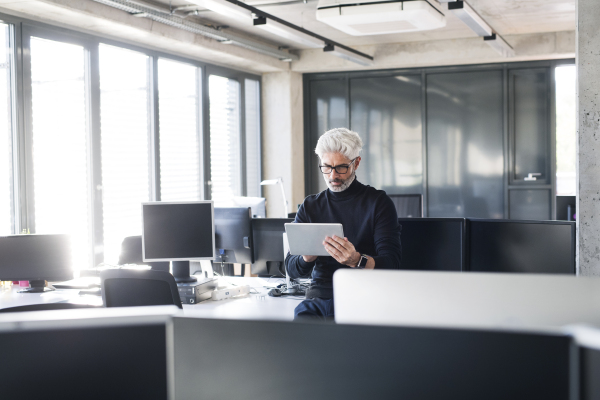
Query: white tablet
{"points": [[307, 239]]}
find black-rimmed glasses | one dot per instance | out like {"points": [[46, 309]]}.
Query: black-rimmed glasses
{"points": [[340, 169]]}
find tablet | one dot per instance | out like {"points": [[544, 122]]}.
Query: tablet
{"points": [[307, 239]]}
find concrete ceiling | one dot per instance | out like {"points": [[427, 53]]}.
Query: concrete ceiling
{"points": [[507, 17]]}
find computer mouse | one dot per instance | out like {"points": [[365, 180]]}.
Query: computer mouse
{"points": [[275, 293]]}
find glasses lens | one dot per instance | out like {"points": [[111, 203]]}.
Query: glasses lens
{"points": [[325, 169], [341, 169]]}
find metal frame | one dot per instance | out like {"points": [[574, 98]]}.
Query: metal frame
{"points": [[21, 30], [550, 65]]}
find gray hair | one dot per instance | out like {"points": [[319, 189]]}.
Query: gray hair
{"points": [[339, 140]]}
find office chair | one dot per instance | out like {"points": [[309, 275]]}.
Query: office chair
{"points": [[130, 288], [131, 253], [408, 205]]}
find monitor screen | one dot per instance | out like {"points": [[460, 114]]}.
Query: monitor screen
{"points": [[178, 231], [233, 235], [521, 246], [268, 245], [432, 244], [35, 258]]}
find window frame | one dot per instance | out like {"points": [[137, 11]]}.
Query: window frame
{"points": [[21, 32]]}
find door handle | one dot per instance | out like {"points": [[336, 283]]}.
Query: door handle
{"points": [[532, 176]]}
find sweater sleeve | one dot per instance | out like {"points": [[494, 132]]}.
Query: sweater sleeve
{"points": [[295, 266], [387, 236]]}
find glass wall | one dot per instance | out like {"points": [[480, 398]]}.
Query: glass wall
{"points": [[180, 131], [225, 151], [7, 225], [566, 130], [125, 136], [106, 127], [60, 144]]}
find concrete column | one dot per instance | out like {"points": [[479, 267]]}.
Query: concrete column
{"points": [[283, 140], [588, 136]]}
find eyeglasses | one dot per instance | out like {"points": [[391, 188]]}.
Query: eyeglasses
{"points": [[340, 169]]}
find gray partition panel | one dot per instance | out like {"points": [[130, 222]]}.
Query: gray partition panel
{"points": [[533, 204], [229, 359], [386, 113], [465, 150], [328, 109]]}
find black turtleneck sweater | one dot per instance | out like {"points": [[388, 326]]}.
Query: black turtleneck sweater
{"points": [[370, 223]]}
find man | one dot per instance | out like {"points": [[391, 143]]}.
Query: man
{"points": [[368, 216]]}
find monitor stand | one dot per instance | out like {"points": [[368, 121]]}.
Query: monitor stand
{"points": [[36, 287], [181, 272]]}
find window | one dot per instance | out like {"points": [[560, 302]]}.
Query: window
{"points": [[252, 108], [60, 144], [225, 153], [125, 135], [7, 213], [179, 114], [566, 130]]}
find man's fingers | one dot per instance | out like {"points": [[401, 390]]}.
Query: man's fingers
{"points": [[339, 240]]}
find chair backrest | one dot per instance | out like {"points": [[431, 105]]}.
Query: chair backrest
{"points": [[131, 253], [408, 205], [130, 288]]}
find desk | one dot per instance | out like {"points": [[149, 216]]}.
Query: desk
{"points": [[253, 306]]}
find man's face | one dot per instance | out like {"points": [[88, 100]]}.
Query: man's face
{"points": [[335, 181]]}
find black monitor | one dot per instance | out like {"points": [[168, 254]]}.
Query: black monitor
{"points": [[433, 244], [521, 246], [233, 235], [338, 361], [88, 355], [35, 258], [408, 205], [268, 246], [178, 232]]}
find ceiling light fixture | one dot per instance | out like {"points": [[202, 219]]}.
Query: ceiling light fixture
{"points": [[500, 45], [347, 55], [466, 14]]}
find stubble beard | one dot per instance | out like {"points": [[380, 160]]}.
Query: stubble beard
{"points": [[345, 183]]}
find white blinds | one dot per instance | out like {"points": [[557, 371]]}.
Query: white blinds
{"points": [[224, 96], [60, 146], [124, 117], [6, 160], [252, 108], [179, 115]]}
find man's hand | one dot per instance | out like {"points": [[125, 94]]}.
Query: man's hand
{"points": [[342, 250], [309, 258]]}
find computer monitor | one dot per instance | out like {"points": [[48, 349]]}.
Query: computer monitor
{"points": [[521, 246], [233, 235], [268, 246], [334, 361], [408, 205], [36, 258], [257, 204], [178, 232], [433, 244], [92, 354]]}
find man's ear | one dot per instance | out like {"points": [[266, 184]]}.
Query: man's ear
{"points": [[357, 162]]}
